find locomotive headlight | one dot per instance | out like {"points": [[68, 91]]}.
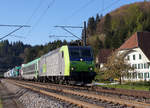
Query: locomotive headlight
{"points": [[72, 68], [91, 68]]}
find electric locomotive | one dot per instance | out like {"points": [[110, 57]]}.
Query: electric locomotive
{"points": [[68, 64], [81, 64]]}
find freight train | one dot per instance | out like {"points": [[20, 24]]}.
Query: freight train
{"points": [[67, 64]]}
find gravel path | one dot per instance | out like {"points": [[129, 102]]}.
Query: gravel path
{"points": [[34, 100]]}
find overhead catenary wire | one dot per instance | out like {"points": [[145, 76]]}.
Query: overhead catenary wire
{"points": [[50, 4], [35, 11], [79, 10], [51, 36], [18, 27], [105, 8], [109, 6], [11, 33], [32, 15], [75, 12], [18, 36]]}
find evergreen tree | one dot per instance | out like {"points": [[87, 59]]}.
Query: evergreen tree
{"points": [[91, 26], [97, 18], [107, 31]]}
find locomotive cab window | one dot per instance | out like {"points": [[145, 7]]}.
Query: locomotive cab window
{"points": [[76, 52], [86, 52]]}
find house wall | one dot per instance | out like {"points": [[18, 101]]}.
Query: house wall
{"points": [[137, 59]]}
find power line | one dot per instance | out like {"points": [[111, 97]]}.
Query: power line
{"points": [[14, 25], [70, 26], [51, 36], [104, 9], [40, 18], [81, 39], [33, 13], [18, 27], [17, 36], [64, 28], [79, 9], [35, 10]]}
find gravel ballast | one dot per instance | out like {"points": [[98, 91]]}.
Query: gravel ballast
{"points": [[32, 99]]}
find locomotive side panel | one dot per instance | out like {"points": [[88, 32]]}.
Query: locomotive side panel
{"points": [[51, 64]]}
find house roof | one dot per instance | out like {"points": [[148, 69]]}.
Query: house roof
{"points": [[138, 40], [103, 55]]}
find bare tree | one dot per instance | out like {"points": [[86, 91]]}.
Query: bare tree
{"points": [[116, 66]]}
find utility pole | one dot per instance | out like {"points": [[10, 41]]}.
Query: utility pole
{"points": [[84, 38], [68, 31], [65, 28]]}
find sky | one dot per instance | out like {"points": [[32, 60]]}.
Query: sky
{"points": [[43, 15]]}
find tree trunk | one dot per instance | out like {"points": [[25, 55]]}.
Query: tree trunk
{"points": [[120, 81]]}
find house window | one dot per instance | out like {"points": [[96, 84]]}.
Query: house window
{"points": [[148, 75], [145, 75], [141, 65], [133, 57], [134, 75], [144, 65], [128, 57], [135, 66], [147, 66], [140, 75], [140, 57], [138, 66], [130, 75]]}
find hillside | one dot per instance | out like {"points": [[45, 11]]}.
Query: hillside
{"points": [[111, 30]]}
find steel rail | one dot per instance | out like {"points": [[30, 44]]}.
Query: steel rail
{"points": [[64, 98], [129, 103]]}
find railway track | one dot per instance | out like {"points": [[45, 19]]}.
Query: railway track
{"points": [[80, 98], [139, 96]]}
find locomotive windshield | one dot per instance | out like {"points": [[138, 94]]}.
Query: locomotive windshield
{"points": [[86, 52], [80, 52]]}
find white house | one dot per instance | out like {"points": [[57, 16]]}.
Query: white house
{"points": [[138, 55]]}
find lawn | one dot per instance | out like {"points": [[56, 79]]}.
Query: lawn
{"points": [[129, 86], [1, 106]]}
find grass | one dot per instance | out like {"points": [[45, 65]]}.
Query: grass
{"points": [[1, 106], [131, 86]]}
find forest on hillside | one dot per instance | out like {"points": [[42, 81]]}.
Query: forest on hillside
{"points": [[111, 30], [108, 31], [11, 54]]}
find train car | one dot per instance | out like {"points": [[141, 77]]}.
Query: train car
{"points": [[69, 64], [8, 74], [11, 73], [5, 75], [16, 71], [30, 70]]}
